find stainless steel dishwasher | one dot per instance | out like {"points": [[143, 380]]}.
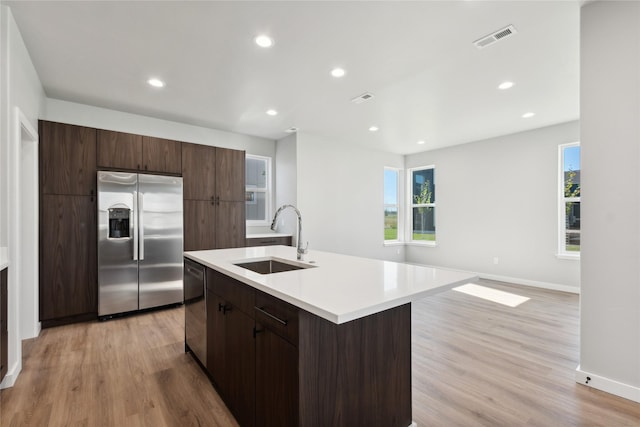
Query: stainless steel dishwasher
{"points": [[195, 302]]}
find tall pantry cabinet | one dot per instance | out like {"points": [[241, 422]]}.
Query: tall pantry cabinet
{"points": [[214, 197], [67, 252]]}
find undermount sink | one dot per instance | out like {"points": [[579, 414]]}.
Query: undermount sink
{"points": [[269, 266]]}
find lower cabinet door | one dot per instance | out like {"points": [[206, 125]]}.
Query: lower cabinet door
{"points": [[240, 366], [68, 262], [199, 225], [276, 380], [215, 341]]}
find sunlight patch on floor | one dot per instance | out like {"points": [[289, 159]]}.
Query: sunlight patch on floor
{"points": [[490, 294]]}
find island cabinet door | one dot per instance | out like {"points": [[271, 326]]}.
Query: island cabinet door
{"points": [[240, 366], [276, 380], [215, 341]]}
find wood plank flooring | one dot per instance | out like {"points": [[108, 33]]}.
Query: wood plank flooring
{"points": [[475, 363], [480, 363]]}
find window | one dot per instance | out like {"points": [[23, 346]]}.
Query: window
{"points": [[392, 227], [569, 200], [258, 189], [423, 204]]}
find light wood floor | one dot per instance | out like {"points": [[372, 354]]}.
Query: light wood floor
{"points": [[475, 363]]}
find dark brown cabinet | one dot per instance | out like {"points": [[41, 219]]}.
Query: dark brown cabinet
{"points": [[230, 168], [269, 241], [199, 225], [213, 191], [161, 155], [276, 379], [68, 265], [198, 172], [277, 365], [230, 344], [120, 150], [68, 159], [4, 333], [67, 217]]}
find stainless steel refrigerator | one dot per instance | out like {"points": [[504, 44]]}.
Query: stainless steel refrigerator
{"points": [[140, 249]]}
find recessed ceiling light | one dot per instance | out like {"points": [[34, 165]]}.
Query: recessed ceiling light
{"points": [[272, 112], [528, 115], [338, 72], [264, 41], [421, 142], [505, 85], [155, 82], [373, 128]]}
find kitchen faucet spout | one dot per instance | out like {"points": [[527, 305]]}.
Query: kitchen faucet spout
{"points": [[299, 250]]}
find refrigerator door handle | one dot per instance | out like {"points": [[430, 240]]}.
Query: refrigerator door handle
{"points": [[135, 226], [141, 225]]}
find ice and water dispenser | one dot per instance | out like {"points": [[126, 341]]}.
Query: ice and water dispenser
{"points": [[119, 222]]}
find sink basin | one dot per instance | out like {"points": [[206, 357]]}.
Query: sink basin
{"points": [[270, 266]]}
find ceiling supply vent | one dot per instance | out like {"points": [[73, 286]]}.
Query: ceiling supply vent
{"points": [[361, 98], [292, 129], [492, 38]]}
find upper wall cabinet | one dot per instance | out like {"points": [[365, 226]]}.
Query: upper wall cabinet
{"points": [[230, 166], [213, 173], [120, 150], [199, 172], [67, 159], [161, 155]]}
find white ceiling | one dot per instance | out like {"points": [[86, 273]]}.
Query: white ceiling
{"points": [[430, 82]]}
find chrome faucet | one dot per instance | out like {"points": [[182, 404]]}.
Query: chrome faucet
{"points": [[300, 250]]}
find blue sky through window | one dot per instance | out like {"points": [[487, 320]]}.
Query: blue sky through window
{"points": [[572, 158], [390, 186]]}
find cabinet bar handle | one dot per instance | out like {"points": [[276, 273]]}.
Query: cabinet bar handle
{"points": [[266, 313]]}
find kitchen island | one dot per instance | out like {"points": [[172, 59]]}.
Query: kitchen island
{"points": [[327, 343]]}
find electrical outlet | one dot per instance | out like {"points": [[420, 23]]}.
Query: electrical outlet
{"points": [[496, 260]]}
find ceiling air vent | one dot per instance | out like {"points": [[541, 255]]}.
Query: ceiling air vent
{"points": [[292, 129], [361, 98], [492, 38]]}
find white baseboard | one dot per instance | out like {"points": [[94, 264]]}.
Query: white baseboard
{"points": [[413, 424], [532, 283], [12, 375], [514, 280], [608, 385]]}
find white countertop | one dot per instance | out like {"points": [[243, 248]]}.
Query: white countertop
{"points": [[340, 288], [266, 235], [4, 261]]}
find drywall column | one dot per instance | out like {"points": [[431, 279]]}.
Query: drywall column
{"points": [[610, 253], [286, 184]]}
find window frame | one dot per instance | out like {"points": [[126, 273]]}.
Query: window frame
{"points": [[266, 190], [563, 253], [398, 205], [410, 206]]}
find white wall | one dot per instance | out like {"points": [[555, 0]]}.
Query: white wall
{"points": [[610, 128], [498, 198], [340, 195], [22, 101], [286, 181], [102, 118]]}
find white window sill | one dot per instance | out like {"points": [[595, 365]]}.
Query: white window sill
{"points": [[571, 257], [424, 244], [393, 243]]}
